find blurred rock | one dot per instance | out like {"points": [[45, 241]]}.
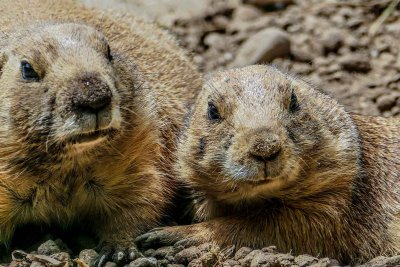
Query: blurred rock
{"points": [[332, 40], [268, 2], [355, 63], [263, 47]]}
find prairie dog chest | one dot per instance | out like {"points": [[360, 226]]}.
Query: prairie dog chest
{"points": [[62, 198]]}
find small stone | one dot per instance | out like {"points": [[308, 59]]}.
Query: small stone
{"points": [[175, 265], [163, 252], [270, 249], [37, 264], [163, 263], [215, 40], [332, 40], [89, 256], [144, 262], [134, 253], [246, 261], [48, 248], [269, 2], [262, 47], [110, 264], [246, 13], [62, 256], [355, 63], [264, 260], [187, 255], [386, 102], [305, 260], [242, 252], [149, 253]]}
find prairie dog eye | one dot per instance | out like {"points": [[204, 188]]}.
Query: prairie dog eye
{"points": [[27, 71], [294, 104], [212, 112]]}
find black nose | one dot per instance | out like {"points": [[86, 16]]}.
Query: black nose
{"points": [[91, 94]]}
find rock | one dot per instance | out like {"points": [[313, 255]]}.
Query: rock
{"points": [[246, 261], [305, 260], [266, 259], [163, 252], [144, 262], [62, 256], [270, 249], [133, 253], [332, 40], [246, 13], [187, 255], [175, 265], [268, 2], [386, 102], [241, 253], [89, 256], [208, 259], [262, 47], [37, 264], [48, 248], [215, 40], [384, 261], [149, 253], [355, 63], [110, 264]]}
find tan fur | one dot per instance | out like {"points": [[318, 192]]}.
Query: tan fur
{"points": [[331, 190], [120, 184]]}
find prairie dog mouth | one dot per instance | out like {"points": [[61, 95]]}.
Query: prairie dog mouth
{"points": [[88, 137]]}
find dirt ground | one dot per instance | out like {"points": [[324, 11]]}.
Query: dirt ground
{"points": [[341, 46]]}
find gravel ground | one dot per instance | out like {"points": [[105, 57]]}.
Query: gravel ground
{"points": [[334, 44]]}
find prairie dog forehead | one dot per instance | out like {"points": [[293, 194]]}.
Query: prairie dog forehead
{"points": [[72, 35], [250, 82]]}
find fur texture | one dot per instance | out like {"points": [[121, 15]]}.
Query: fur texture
{"points": [[272, 161], [61, 161]]}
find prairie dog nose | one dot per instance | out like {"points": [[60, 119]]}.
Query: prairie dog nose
{"points": [[265, 146], [91, 94]]}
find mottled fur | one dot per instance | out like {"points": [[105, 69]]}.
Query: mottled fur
{"points": [[121, 185], [332, 189]]}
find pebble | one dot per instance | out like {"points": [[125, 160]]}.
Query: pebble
{"points": [[305, 260], [332, 40], [386, 102], [269, 2], [262, 47], [48, 248], [144, 262], [89, 256], [187, 255], [355, 63]]}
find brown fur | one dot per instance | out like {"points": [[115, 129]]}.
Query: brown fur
{"points": [[119, 184], [328, 184]]}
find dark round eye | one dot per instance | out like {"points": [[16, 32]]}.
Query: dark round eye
{"points": [[213, 113], [109, 56], [294, 104], [27, 71]]}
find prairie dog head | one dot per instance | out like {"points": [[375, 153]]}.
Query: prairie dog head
{"points": [[61, 92], [256, 133]]}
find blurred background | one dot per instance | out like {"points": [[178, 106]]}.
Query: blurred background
{"points": [[349, 48]]}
